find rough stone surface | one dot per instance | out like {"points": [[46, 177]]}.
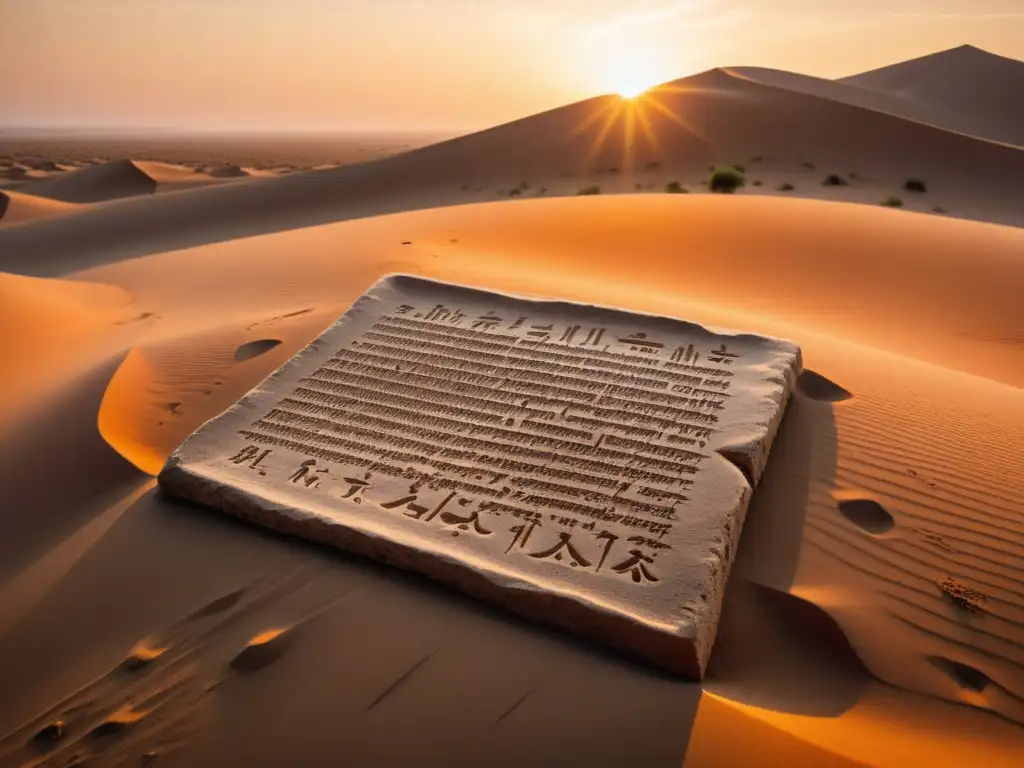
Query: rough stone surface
{"points": [[585, 466]]}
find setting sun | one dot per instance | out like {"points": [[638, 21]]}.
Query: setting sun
{"points": [[631, 72]]}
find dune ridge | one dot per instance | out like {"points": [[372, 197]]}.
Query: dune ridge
{"points": [[18, 207], [973, 90], [715, 117]]}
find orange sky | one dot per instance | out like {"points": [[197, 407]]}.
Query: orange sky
{"points": [[432, 64]]}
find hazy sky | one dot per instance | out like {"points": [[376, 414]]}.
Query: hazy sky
{"points": [[411, 64]]}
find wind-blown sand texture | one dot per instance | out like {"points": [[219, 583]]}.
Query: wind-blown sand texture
{"points": [[874, 613], [585, 466]]}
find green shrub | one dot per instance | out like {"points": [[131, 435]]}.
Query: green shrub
{"points": [[892, 202], [915, 185], [675, 188], [591, 190], [726, 180], [834, 180]]}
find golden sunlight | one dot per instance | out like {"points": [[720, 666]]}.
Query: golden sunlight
{"points": [[629, 71]]}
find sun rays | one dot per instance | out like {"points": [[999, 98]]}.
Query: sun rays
{"points": [[635, 124]]}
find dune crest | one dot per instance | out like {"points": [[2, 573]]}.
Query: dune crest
{"points": [[17, 208], [973, 90]]}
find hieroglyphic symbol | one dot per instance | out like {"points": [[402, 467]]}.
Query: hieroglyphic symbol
{"points": [[564, 545], [649, 543], [609, 540], [518, 323], [685, 355], [356, 488], [252, 456], [639, 342], [405, 309], [486, 321], [522, 534], [568, 334], [722, 355], [470, 522], [593, 337], [636, 567], [310, 480], [418, 510], [540, 332]]}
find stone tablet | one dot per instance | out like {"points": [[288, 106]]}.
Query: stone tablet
{"points": [[585, 466]]}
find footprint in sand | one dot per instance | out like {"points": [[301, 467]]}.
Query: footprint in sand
{"points": [[965, 676], [817, 387], [255, 349], [142, 655], [263, 650], [118, 722], [219, 605], [867, 515], [49, 734]]}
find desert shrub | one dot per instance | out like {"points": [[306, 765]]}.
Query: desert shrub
{"points": [[675, 188], [915, 185], [892, 202], [808, 164], [834, 180], [542, 191], [524, 185], [653, 165], [638, 187], [515, 192], [740, 168], [938, 209], [464, 187], [726, 180], [757, 183], [785, 187], [757, 159], [593, 189], [853, 175]]}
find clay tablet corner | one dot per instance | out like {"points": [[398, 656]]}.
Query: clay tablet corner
{"points": [[584, 466]]}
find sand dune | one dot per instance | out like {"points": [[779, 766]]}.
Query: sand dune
{"points": [[975, 91], [117, 179], [718, 117], [197, 628], [17, 208]]}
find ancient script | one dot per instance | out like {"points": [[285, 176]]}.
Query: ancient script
{"points": [[585, 466]]}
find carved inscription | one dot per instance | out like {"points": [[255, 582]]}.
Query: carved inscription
{"points": [[570, 428], [542, 440]]}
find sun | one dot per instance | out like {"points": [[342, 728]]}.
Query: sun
{"points": [[630, 74], [632, 89]]}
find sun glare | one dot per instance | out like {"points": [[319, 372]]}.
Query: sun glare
{"points": [[630, 74]]}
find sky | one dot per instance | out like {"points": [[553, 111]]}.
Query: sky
{"points": [[410, 65]]}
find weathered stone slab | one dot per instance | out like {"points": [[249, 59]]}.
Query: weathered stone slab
{"points": [[585, 466]]}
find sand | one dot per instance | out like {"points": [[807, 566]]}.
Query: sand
{"points": [[18, 207], [874, 615], [966, 88]]}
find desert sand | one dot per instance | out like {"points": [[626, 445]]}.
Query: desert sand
{"points": [[874, 615]]}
